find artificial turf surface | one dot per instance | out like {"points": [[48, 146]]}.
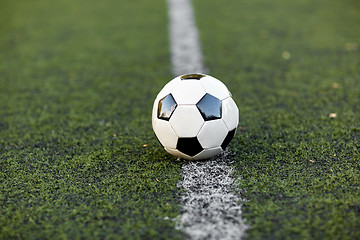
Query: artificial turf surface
{"points": [[78, 155], [78, 158], [291, 65]]}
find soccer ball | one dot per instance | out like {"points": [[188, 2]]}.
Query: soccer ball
{"points": [[194, 117]]}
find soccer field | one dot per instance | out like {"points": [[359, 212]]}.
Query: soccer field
{"points": [[293, 66], [79, 159]]}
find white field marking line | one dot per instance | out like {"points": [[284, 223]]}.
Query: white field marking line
{"points": [[186, 55], [211, 208]]}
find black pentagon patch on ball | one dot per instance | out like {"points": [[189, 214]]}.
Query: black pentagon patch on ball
{"points": [[209, 107], [189, 146], [228, 139], [194, 76], [166, 107]]}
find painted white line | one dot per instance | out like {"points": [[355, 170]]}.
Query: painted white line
{"points": [[186, 55], [211, 207]]}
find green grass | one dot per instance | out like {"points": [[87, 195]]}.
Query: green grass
{"points": [[74, 118], [79, 160], [299, 168]]}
